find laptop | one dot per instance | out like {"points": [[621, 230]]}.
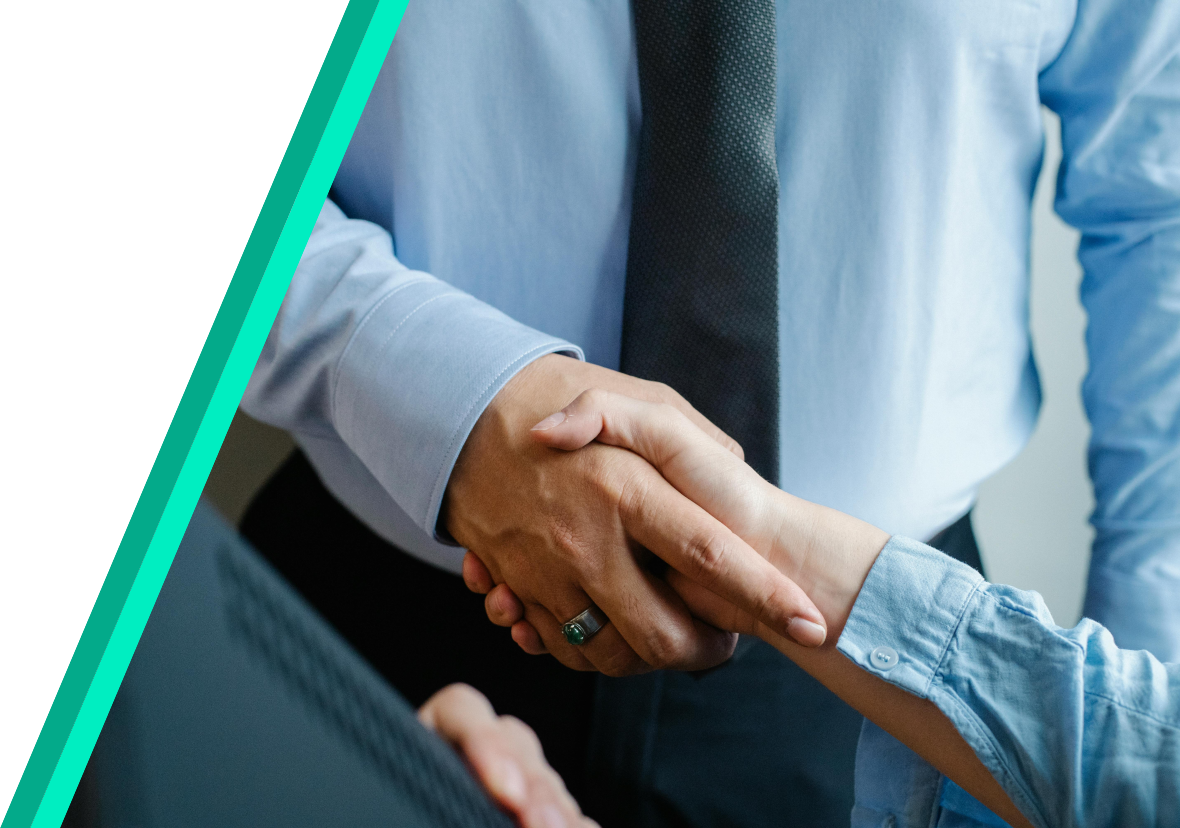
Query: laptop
{"points": [[242, 707]]}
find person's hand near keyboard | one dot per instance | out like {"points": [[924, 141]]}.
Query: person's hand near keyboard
{"points": [[505, 756]]}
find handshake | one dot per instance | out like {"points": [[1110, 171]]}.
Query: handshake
{"points": [[624, 533], [629, 512], [630, 515]]}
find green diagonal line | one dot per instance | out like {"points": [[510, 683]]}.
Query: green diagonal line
{"points": [[202, 418]]}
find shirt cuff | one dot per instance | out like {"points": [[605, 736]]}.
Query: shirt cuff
{"points": [[416, 376], [907, 612]]}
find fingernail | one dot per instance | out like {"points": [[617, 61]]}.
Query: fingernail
{"points": [[552, 421], [506, 782], [807, 633]]}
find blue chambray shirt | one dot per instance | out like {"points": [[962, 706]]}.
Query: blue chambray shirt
{"points": [[480, 219], [1076, 731]]}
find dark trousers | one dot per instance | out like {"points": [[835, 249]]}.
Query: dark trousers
{"points": [[751, 743]]}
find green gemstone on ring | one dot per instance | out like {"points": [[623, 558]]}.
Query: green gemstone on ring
{"points": [[574, 633]]}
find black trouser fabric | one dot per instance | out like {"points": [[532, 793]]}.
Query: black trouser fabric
{"points": [[754, 742]]}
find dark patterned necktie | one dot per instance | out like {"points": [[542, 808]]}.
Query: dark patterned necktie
{"points": [[701, 306]]}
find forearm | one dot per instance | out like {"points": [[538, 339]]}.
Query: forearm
{"points": [[396, 364], [913, 721], [831, 556], [1059, 719]]}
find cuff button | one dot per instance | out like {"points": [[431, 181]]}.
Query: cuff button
{"points": [[884, 658]]}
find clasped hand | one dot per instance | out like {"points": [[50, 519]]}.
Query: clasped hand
{"points": [[560, 511]]}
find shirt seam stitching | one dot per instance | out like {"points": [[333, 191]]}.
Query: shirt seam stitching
{"points": [[1029, 616], [361, 325], [406, 318], [398, 327], [946, 645], [969, 720], [967, 715], [1123, 706]]}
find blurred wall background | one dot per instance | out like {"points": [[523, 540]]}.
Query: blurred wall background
{"points": [[1031, 516]]}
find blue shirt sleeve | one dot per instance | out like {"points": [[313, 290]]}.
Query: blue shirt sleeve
{"points": [[1116, 87], [389, 364], [1076, 731]]}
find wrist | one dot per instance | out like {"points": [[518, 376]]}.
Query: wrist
{"points": [[827, 553], [501, 432]]}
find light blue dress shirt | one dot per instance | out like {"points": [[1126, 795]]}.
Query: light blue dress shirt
{"points": [[1076, 731], [480, 219]]}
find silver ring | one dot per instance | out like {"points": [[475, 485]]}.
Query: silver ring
{"points": [[583, 626]]}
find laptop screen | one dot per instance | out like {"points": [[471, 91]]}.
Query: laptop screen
{"points": [[242, 707]]}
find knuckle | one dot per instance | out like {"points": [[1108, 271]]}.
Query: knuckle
{"points": [[573, 546], [597, 467], [555, 783], [775, 605], [567, 655], [595, 398], [521, 733], [662, 656], [494, 609], [665, 648], [458, 691], [566, 540], [621, 663], [662, 392], [669, 413], [707, 552], [631, 493], [462, 695], [614, 670], [624, 485]]}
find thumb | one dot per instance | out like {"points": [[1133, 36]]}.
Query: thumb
{"points": [[573, 427]]}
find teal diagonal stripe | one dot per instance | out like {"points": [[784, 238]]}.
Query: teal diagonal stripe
{"points": [[202, 418]]}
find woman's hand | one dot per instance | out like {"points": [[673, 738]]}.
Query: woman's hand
{"points": [[718, 481], [713, 478], [505, 756]]}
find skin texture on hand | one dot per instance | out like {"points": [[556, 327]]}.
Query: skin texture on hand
{"points": [[564, 529], [827, 553], [504, 755]]}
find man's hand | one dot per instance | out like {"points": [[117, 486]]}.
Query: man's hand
{"points": [[702, 471], [566, 529], [504, 755]]}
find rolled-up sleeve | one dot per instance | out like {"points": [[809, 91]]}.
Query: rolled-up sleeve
{"points": [[1116, 86], [394, 363], [1076, 731]]}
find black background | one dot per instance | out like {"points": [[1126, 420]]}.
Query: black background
{"points": [[145, 142]]}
